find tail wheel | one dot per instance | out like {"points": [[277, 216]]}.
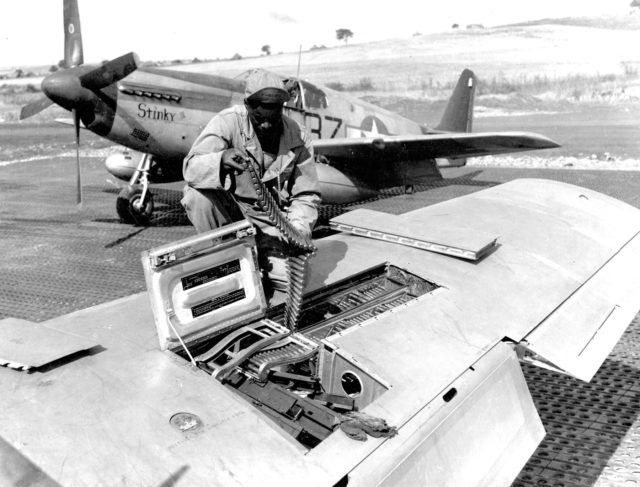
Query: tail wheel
{"points": [[131, 208]]}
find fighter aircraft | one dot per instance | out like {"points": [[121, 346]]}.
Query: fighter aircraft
{"points": [[360, 148], [409, 336]]}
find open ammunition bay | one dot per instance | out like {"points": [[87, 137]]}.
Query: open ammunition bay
{"points": [[209, 307]]}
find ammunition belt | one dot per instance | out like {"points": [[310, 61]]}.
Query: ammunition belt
{"points": [[290, 350], [301, 247]]}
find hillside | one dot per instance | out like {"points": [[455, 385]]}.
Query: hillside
{"points": [[549, 49], [541, 65], [631, 21]]}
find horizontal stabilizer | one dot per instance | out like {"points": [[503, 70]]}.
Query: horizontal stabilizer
{"points": [[431, 146], [448, 240]]}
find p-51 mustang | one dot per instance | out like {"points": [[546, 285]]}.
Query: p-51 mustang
{"points": [[360, 147]]}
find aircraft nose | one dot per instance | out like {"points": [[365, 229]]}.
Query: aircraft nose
{"points": [[63, 88]]}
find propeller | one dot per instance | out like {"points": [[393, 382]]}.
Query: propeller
{"points": [[67, 87], [73, 52], [35, 107], [110, 72], [76, 124], [77, 87]]}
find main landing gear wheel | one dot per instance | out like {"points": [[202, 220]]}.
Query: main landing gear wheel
{"points": [[132, 208]]}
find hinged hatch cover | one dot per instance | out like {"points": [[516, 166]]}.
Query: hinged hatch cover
{"points": [[400, 229], [203, 285], [25, 345]]}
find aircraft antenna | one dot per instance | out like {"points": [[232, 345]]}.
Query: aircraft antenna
{"points": [[299, 58]]}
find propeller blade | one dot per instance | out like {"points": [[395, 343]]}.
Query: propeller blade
{"points": [[35, 107], [110, 72], [76, 122], [73, 55]]}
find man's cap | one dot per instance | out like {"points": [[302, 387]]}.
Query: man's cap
{"points": [[264, 86]]}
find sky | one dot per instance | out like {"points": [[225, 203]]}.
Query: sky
{"points": [[31, 31]]}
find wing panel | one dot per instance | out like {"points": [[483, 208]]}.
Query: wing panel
{"points": [[555, 242], [577, 337], [16, 469], [109, 415], [489, 424], [25, 345], [448, 240], [431, 146], [561, 253]]}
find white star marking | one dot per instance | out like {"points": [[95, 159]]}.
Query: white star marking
{"points": [[373, 132]]}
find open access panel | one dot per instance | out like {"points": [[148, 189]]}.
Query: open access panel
{"points": [[209, 307]]}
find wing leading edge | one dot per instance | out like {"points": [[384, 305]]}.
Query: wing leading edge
{"points": [[432, 146]]}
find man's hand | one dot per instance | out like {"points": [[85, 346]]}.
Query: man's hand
{"points": [[301, 227], [233, 160]]}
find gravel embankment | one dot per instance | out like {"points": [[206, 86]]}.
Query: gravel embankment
{"points": [[603, 162]]}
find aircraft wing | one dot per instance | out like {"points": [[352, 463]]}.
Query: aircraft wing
{"points": [[573, 251], [554, 280], [432, 146]]}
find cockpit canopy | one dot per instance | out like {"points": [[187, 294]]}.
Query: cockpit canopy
{"points": [[304, 95], [312, 96]]}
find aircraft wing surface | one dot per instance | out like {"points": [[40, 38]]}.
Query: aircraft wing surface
{"points": [[432, 146], [572, 251], [557, 288]]}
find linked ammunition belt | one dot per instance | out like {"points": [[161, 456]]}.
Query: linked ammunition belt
{"points": [[301, 247], [290, 350]]}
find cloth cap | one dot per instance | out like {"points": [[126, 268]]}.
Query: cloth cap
{"points": [[266, 87]]}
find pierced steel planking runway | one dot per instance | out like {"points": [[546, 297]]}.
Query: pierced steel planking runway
{"points": [[58, 259]]}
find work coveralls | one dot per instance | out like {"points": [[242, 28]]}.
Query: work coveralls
{"points": [[291, 174]]}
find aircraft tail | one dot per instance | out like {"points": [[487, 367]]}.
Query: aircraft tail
{"points": [[73, 55], [458, 115]]}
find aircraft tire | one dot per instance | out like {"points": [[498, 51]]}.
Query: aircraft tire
{"points": [[129, 209]]}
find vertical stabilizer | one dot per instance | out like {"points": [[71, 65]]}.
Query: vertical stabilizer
{"points": [[458, 116], [73, 55]]}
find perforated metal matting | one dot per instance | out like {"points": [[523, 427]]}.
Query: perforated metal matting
{"points": [[57, 259], [593, 430]]}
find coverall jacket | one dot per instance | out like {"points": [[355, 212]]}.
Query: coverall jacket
{"points": [[291, 174]]}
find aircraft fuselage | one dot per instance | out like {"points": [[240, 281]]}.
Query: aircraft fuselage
{"points": [[162, 111]]}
